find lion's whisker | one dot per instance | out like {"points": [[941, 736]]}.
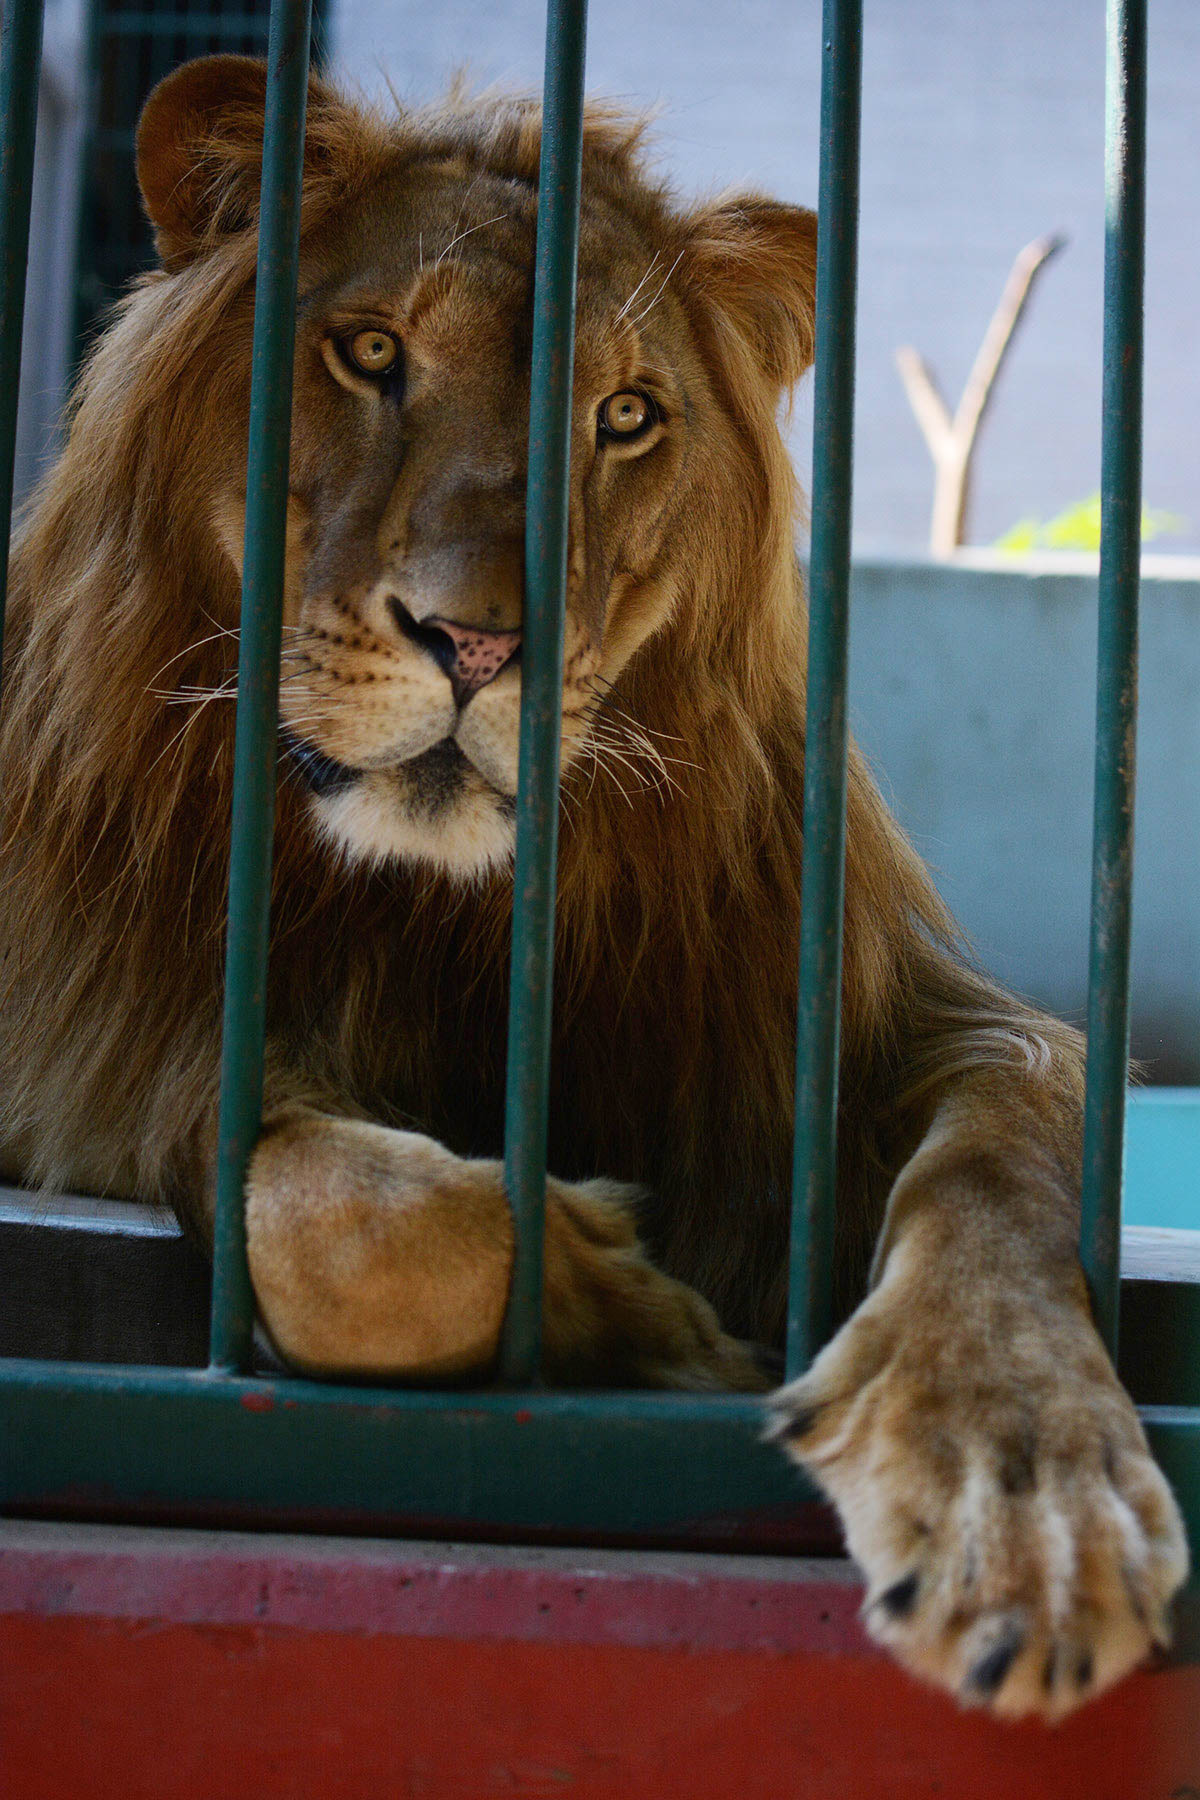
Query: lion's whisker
{"points": [[606, 756], [662, 758], [637, 290], [649, 308], [222, 631], [191, 696], [630, 739], [609, 703], [494, 220]]}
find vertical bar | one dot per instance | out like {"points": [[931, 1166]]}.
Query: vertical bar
{"points": [[535, 880], [1116, 676], [815, 1165], [20, 77], [258, 674]]}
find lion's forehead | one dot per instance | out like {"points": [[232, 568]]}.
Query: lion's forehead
{"points": [[476, 229]]}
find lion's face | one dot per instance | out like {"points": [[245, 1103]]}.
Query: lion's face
{"points": [[401, 680]]}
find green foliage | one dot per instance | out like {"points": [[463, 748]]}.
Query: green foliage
{"points": [[1078, 528]]}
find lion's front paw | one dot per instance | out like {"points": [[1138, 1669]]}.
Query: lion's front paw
{"points": [[376, 1253], [1020, 1546]]}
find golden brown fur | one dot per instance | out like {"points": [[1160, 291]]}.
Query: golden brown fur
{"points": [[679, 876]]}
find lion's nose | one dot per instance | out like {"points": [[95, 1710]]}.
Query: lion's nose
{"points": [[471, 655], [477, 654]]}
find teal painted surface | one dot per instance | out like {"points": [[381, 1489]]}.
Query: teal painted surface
{"points": [[1117, 668], [814, 1174], [256, 754], [1162, 1160], [589, 1464], [535, 877]]}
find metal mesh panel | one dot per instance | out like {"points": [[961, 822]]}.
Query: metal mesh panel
{"points": [[132, 44]]}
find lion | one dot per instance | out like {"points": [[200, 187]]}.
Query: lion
{"points": [[1018, 1544]]}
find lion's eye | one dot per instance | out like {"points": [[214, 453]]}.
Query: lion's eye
{"points": [[625, 415], [372, 352]]}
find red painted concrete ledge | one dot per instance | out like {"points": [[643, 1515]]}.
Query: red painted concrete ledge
{"points": [[177, 1665]]}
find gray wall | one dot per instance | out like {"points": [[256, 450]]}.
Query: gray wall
{"points": [[983, 127], [972, 693]]}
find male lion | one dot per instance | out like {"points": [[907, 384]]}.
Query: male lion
{"points": [[1019, 1545]]}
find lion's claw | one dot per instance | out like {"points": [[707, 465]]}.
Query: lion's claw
{"points": [[987, 1676]]}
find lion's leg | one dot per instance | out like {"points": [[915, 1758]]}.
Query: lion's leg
{"points": [[1020, 1546], [379, 1252]]}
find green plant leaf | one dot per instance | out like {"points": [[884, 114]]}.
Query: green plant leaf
{"points": [[1077, 527]]}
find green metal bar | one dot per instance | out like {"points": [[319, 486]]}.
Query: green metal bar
{"points": [[175, 1444], [548, 495], [1116, 677], [258, 674], [20, 76], [311, 1453], [815, 1166]]}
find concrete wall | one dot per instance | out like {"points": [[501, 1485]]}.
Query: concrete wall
{"points": [[972, 692], [982, 128]]}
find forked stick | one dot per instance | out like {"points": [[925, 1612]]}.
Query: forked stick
{"points": [[951, 441]]}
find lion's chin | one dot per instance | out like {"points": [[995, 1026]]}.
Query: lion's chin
{"points": [[437, 811]]}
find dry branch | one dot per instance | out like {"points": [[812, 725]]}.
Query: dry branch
{"points": [[951, 441]]}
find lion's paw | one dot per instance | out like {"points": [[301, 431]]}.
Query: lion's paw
{"points": [[1019, 1544]]}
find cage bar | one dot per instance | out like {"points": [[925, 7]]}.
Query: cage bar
{"points": [[547, 507], [815, 1166], [1116, 673], [258, 674], [20, 77]]}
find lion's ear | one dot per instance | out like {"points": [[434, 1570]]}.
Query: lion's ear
{"points": [[753, 264], [199, 151]]}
